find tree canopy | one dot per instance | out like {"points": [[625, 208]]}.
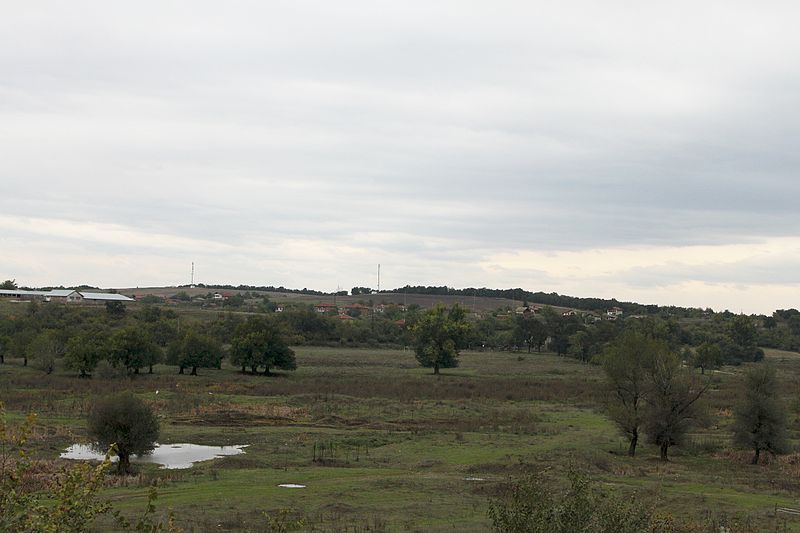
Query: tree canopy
{"points": [[438, 335], [260, 342], [760, 417], [125, 421]]}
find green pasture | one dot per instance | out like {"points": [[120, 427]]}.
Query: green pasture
{"points": [[383, 445]]}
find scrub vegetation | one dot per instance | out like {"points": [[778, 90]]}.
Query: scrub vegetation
{"points": [[383, 444]]}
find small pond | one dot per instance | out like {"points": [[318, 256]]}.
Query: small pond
{"points": [[170, 456]]}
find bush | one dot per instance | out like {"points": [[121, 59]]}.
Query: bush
{"points": [[534, 506]]}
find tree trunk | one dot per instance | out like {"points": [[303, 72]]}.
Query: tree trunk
{"points": [[266, 371], [244, 369], [436, 369], [136, 370], [151, 369], [124, 463], [2, 359], [664, 449], [756, 456], [180, 370], [194, 371], [702, 370], [25, 361], [634, 442], [254, 369]]}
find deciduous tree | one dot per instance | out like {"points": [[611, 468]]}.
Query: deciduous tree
{"points": [[194, 350], [438, 335], [672, 400], [625, 363], [128, 423], [760, 417], [131, 348], [707, 356], [85, 351], [260, 342]]}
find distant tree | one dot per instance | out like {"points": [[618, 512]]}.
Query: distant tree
{"points": [[20, 340], [128, 423], [760, 417], [625, 364], [44, 349], [672, 400], [194, 350], [149, 313], [9, 285], [707, 356], [531, 332], [235, 301], [259, 342], [438, 335], [559, 329], [85, 351], [115, 310], [132, 348], [743, 330], [162, 332], [355, 291]]}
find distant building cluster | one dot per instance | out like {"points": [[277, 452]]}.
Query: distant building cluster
{"points": [[63, 295]]}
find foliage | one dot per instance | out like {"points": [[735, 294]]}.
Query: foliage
{"points": [[530, 332], [560, 328], [355, 291], [44, 349], [625, 364], [535, 505], [85, 351], [9, 285], [438, 335], [283, 521], [707, 356], [259, 342], [115, 310], [127, 423], [132, 348], [194, 350], [70, 501], [760, 417], [672, 400]]}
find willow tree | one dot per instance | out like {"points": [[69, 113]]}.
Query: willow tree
{"points": [[625, 363]]}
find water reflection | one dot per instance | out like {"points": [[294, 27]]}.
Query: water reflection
{"points": [[171, 456]]}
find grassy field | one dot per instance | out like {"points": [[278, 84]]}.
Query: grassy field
{"points": [[383, 445]]}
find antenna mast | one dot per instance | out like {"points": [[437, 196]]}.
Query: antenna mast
{"points": [[192, 283], [379, 277]]}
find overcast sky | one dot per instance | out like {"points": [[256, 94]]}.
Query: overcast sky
{"points": [[638, 150]]}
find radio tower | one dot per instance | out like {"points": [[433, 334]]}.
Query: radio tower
{"points": [[379, 277], [192, 281]]}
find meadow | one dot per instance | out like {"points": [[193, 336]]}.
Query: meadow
{"points": [[383, 445]]}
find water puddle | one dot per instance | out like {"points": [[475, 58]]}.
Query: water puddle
{"points": [[170, 456], [291, 486]]}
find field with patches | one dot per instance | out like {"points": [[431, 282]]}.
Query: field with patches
{"points": [[383, 445]]}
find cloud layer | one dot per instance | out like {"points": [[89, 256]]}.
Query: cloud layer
{"points": [[629, 150]]}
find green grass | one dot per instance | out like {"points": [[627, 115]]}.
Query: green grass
{"points": [[398, 442]]}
